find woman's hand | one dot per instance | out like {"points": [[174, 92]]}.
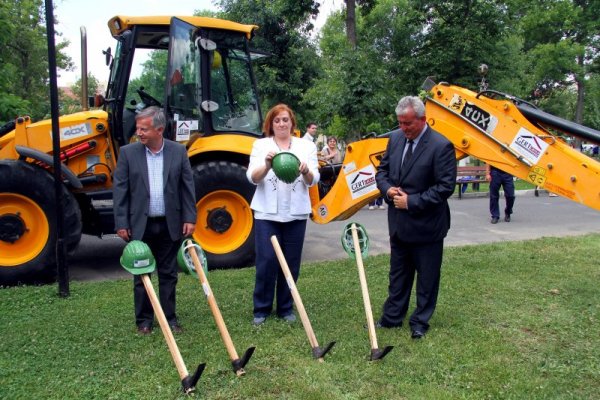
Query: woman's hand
{"points": [[261, 171], [269, 159], [305, 171], [303, 168]]}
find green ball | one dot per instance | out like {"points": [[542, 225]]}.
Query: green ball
{"points": [[286, 166]]}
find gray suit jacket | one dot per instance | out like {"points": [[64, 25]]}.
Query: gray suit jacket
{"points": [[131, 189], [428, 178]]}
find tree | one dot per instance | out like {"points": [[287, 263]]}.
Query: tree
{"points": [[284, 26], [24, 67], [365, 7], [563, 45], [352, 97], [70, 103]]}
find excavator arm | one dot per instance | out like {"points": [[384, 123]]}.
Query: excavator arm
{"points": [[493, 127]]}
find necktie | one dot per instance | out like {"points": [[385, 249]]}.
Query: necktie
{"points": [[409, 153]]}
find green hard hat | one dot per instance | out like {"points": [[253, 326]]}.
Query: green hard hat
{"points": [[137, 258], [286, 166], [348, 241], [185, 260]]}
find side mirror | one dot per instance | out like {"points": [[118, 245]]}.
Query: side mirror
{"points": [[107, 56]]}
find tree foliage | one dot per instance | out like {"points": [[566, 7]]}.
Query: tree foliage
{"points": [[70, 103], [24, 54], [528, 46], [284, 28], [362, 62], [562, 40]]}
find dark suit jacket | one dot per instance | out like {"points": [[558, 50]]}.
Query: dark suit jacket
{"points": [[429, 178], [131, 189]]}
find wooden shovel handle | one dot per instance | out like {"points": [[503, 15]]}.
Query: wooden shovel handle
{"points": [[295, 295], [164, 326], [364, 288], [212, 303]]}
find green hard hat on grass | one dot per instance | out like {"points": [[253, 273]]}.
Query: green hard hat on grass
{"points": [[286, 166], [348, 240], [137, 258], [185, 260]]}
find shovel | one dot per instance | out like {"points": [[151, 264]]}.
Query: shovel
{"points": [[317, 351], [189, 248], [376, 352], [188, 382], [137, 259]]}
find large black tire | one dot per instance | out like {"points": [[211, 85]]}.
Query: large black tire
{"points": [[225, 225], [28, 229]]}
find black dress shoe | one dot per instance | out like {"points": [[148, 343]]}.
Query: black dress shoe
{"points": [[494, 220], [507, 218], [176, 328], [144, 330], [417, 334]]}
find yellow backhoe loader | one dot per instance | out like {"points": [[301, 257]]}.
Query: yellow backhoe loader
{"points": [[204, 80]]}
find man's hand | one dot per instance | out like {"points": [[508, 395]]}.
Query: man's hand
{"points": [[401, 200], [124, 234], [393, 191], [188, 229]]}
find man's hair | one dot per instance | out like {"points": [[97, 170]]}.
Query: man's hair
{"points": [[156, 113], [273, 112], [310, 124], [411, 102]]}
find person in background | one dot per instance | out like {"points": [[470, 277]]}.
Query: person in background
{"points": [[377, 203], [280, 209], [311, 132], [156, 210], [331, 153], [497, 179], [417, 175]]}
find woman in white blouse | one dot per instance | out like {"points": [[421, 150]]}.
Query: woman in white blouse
{"points": [[280, 209]]}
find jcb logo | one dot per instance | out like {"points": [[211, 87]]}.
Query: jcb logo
{"points": [[74, 131]]}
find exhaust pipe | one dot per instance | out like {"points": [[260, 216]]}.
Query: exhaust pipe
{"points": [[84, 74]]}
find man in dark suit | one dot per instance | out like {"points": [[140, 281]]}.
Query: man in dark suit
{"points": [[154, 201], [417, 175]]}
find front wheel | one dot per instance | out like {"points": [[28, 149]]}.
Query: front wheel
{"points": [[225, 225], [28, 223]]}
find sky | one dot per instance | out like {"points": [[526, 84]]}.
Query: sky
{"points": [[94, 15]]}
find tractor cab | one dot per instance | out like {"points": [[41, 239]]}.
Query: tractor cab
{"points": [[197, 68]]}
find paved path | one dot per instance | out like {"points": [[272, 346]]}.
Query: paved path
{"points": [[534, 217]]}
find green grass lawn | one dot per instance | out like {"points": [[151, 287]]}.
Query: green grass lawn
{"points": [[514, 321]]}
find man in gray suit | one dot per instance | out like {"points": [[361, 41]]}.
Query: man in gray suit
{"points": [[417, 175], [154, 201]]}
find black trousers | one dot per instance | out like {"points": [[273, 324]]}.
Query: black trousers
{"points": [[406, 260], [156, 236], [501, 178]]}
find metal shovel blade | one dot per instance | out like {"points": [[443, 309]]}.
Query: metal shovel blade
{"points": [[240, 363], [189, 382], [319, 352], [378, 354]]}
